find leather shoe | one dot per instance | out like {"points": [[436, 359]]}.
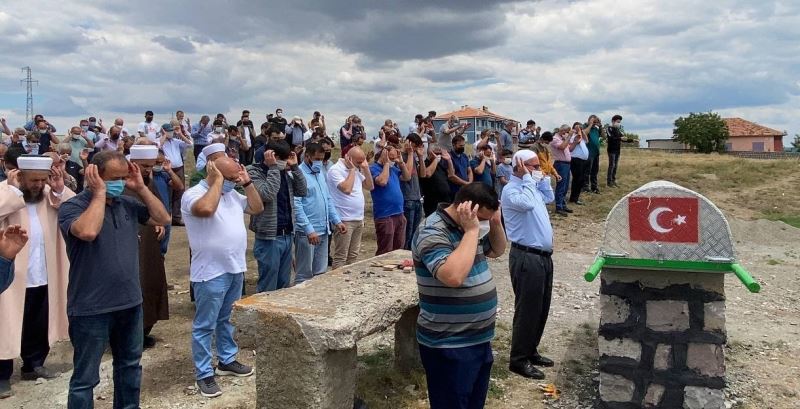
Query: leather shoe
{"points": [[358, 403], [527, 370], [539, 360], [39, 372], [567, 209]]}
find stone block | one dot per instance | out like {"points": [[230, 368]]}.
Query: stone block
{"points": [[706, 359], [663, 357], [712, 282], [714, 313], [653, 396], [406, 348], [668, 315], [620, 347], [613, 309], [616, 388], [696, 397]]}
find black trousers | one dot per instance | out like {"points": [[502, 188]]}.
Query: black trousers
{"points": [[613, 164], [532, 281], [35, 345], [578, 168], [197, 150], [590, 172]]}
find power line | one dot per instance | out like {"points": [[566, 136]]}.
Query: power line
{"points": [[28, 81]]}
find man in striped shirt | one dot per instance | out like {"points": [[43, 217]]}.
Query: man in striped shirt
{"points": [[457, 296]]}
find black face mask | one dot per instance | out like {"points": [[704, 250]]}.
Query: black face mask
{"points": [[114, 137], [459, 150], [327, 155]]}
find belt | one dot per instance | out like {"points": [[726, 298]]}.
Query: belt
{"points": [[533, 250], [562, 161], [284, 231]]}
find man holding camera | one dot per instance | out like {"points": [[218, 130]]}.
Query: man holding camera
{"points": [[594, 131]]}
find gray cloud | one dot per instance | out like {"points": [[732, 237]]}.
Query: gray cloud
{"points": [[177, 44], [457, 74]]}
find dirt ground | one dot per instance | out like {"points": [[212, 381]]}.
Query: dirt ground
{"points": [[763, 331]]}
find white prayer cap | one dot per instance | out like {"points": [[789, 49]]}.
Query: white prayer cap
{"points": [[144, 152], [524, 155], [213, 148], [26, 162]]}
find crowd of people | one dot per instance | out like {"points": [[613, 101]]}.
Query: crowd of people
{"points": [[68, 202]]}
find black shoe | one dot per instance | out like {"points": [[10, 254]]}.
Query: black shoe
{"points": [[149, 342], [596, 191], [38, 372], [208, 387], [578, 202], [178, 223], [586, 189], [567, 209], [5, 389], [527, 370], [561, 212], [359, 404], [539, 360], [234, 368]]}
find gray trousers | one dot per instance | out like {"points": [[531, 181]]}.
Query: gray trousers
{"points": [[532, 281]]}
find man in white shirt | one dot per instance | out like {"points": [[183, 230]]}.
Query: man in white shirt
{"points": [[214, 215], [346, 181], [174, 145], [124, 132], [149, 128]]}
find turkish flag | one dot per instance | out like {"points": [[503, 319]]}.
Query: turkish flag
{"points": [[664, 219]]}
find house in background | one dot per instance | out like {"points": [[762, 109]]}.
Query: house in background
{"points": [[746, 136], [666, 143], [479, 119]]}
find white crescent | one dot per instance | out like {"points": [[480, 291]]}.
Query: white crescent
{"points": [[654, 219]]}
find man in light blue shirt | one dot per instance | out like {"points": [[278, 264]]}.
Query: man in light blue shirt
{"points": [[531, 235], [313, 215]]}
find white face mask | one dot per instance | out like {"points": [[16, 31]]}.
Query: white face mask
{"points": [[484, 228], [537, 175], [617, 124], [218, 129], [507, 161], [281, 164]]}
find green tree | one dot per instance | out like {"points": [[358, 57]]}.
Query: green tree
{"points": [[705, 131], [796, 142]]}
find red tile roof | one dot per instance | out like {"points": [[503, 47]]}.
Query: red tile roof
{"points": [[470, 112], [738, 127]]}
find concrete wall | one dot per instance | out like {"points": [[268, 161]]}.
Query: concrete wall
{"points": [[747, 143], [665, 144]]}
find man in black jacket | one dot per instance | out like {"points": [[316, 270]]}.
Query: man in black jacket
{"points": [[615, 134]]}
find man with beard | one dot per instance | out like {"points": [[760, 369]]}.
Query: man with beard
{"points": [[113, 142], [152, 275], [148, 128], [33, 310]]}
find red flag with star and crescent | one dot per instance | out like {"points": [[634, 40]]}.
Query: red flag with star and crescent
{"points": [[664, 219]]}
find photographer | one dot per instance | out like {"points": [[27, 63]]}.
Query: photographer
{"points": [[450, 130], [529, 135], [594, 132], [295, 130]]}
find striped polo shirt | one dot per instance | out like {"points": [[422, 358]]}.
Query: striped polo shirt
{"points": [[451, 317]]}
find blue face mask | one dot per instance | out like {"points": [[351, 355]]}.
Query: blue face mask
{"points": [[228, 186], [316, 166], [114, 188]]}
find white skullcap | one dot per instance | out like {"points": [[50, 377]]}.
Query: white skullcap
{"points": [[213, 148], [144, 152], [524, 155], [34, 163]]}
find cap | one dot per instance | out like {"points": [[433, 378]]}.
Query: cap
{"points": [[167, 127], [524, 155], [213, 148], [144, 152], [31, 162]]}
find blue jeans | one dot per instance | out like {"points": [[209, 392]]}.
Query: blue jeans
{"points": [[458, 378], [165, 240], [310, 260], [274, 263], [563, 185], [89, 336], [213, 304], [412, 209]]}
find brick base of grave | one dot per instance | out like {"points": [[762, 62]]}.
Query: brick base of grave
{"points": [[661, 339]]}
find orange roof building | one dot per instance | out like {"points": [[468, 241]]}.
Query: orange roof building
{"points": [[480, 119], [746, 136]]}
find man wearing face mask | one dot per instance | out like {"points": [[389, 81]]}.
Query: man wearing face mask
{"points": [[458, 299], [213, 208], [434, 185], [461, 171], [174, 144], [45, 137], [200, 133], [219, 135], [112, 141], [149, 128], [79, 140], [248, 133], [314, 214], [34, 307], [278, 180], [104, 296], [278, 120], [504, 171], [615, 135], [531, 234]]}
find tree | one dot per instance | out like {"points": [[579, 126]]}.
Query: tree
{"points": [[705, 131], [796, 142]]}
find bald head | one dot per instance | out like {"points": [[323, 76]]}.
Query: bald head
{"points": [[356, 155], [119, 122], [227, 166]]}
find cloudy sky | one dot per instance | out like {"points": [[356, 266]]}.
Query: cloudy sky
{"points": [[554, 61]]}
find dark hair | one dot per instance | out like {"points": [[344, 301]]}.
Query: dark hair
{"points": [[233, 128], [281, 148], [217, 122], [419, 116], [577, 123], [148, 112], [314, 148], [12, 154], [507, 152], [414, 139], [273, 129], [458, 138], [432, 113], [478, 193], [616, 118], [278, 109], [547, 136], [531, 122], [101, 159], [245, 112]]}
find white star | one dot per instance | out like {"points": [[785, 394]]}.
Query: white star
{"points": [[679, 220]]}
